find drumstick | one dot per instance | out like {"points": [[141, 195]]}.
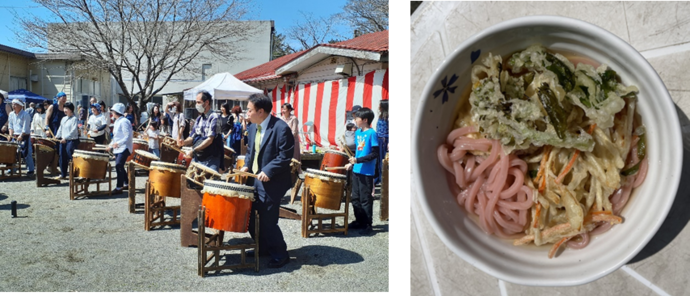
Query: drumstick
{"points": [[343, 143], [230, 176], [51, 133], [347, 149], [6, 136], [244, 173], [334, 168]]}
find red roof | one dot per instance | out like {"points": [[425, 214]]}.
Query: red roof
{"points": [[267, 70], [376, 42]]}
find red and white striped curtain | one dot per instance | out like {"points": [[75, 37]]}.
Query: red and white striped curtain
{"points": [[325, 103]]}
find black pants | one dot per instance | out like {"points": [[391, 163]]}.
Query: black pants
{"points": [[271, 239], [120, 160], [66, 151], [362, 200], [100, 139]]}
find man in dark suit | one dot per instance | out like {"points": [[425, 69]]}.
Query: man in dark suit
{"points": [[269, 152]]}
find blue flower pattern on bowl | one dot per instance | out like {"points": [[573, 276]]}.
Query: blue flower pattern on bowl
{"points": [[446, 86]]}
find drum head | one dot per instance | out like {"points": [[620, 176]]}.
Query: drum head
{"points": [[228, 189]]}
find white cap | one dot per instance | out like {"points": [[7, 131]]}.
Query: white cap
{"points": [[119, 108], [18, 102]]}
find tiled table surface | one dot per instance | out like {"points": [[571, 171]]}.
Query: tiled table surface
{"points": [[661, 32]]}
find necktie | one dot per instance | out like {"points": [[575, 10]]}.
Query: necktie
{"points": [[257, 147]]}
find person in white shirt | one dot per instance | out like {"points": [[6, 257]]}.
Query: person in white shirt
{"points": [[68, 133], [38, 123], [121, 145], [97, 124], [174, 110], [19, 126], [153, 134]]}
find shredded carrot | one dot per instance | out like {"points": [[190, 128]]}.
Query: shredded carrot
{"points": [[542, 165], [600, 213], [536, 215], [591, 128], [557, 245], [567, 168], [542, 186]]}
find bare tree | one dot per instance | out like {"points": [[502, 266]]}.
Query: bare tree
{"points": [[139, 42], [312, 31], [366, 16]]}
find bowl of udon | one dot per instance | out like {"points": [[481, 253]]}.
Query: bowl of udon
{"points": [[548, 151]]}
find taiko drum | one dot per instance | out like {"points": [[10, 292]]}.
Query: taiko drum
{"points": [[86, 144], [182, 157], [228, 206], [8, 152], [334, 158], [144, 158], [138, 144], [164, 178], [91, 165], [327, 187]]}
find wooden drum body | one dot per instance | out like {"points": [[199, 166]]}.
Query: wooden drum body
{"points": [[238, 165], [228, 206], [8, 152], [334, 158], [198, 173], [182, 157], [169, 150], [91, 165], [44, 141], [327, 187], [229, 156], [86, 144], [144, 158], [164, 178], [138, 144]]}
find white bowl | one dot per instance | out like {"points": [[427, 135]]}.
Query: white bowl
{"points": [[529, 265]]}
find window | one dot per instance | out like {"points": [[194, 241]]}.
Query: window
{"points": [[17, 83], [205, 70]]}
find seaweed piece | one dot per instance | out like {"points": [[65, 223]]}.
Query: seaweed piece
{"points": [[557, 115], [565, 76]]}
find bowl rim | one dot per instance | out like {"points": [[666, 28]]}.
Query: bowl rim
{"points": [[543, 20]]}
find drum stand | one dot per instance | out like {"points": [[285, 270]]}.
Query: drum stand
{"points": [[309, 214], [214, 243], [43, 160], [132, 183], [79, 187], [191, 200], [384, 191], [154, 209], [16, 168]]}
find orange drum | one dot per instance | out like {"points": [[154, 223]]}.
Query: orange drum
{"points": [[182, 157], [228, 206], [86, 144], [8, 152], [138, 144], [165, 178], [334, 158], [87, 164], [327, 187], [239, 165]]}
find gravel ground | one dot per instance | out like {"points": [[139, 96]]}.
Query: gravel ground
{"points": [[95, 244]]}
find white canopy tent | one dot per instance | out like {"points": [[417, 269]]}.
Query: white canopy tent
{"points": [[223, 86]]}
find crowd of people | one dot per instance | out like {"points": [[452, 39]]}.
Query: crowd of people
{"points": [[270, 142]]}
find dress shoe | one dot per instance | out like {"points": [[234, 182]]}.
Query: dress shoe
{"points": [[251, 253], [367, 230], [126, 187], [278, 263], [116, 191], [356, 225]]}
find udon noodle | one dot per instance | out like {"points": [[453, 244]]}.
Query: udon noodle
{"points": [[549, 152]]}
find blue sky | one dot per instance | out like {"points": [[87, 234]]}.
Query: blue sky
{"points": [[284, 13]]}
